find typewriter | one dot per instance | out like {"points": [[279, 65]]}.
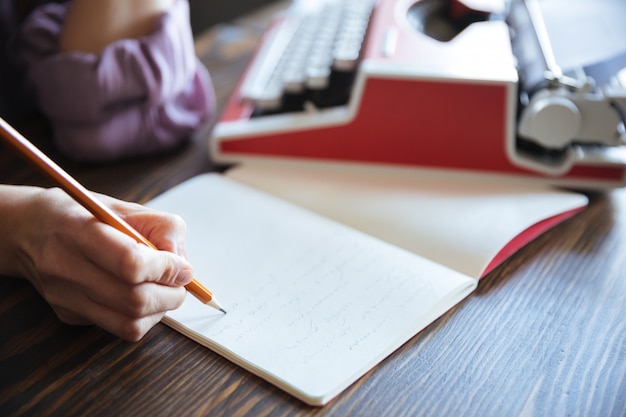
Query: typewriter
{"points": [[524, 88]]}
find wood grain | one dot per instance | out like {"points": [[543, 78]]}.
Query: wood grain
{"points": [[543, 335]]}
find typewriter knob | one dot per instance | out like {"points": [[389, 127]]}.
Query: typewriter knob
{"points": [[550, 120]]}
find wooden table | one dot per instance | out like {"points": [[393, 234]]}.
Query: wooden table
{"points": [[544, 334]]}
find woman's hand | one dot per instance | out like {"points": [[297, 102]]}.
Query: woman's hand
{"points": [[89, 272]]}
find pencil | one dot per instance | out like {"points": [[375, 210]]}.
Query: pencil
{"points": [[85, 198]]}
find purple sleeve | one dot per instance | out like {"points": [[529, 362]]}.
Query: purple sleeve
{"points": [[140, 96]]}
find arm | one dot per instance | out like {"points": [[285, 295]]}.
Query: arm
{"points": [[134, 96], [91, 25], [87, 271]]}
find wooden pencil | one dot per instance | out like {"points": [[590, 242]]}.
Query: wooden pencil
{"points": [[84, 197]]}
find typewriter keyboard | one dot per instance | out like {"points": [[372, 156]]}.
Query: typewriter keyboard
{"points": [[309, 57]]}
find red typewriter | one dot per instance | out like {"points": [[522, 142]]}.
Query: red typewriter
{"points": [[524, 88]]}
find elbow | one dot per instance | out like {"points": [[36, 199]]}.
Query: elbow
{"points": [[139, 128]]}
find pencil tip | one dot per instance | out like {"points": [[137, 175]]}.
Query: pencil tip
{"points": [[216, 305]]}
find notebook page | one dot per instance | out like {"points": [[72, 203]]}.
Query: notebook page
{"points": [[312, 305], [460, 221]]}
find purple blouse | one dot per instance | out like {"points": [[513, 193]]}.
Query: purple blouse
{"points": [[138, 96]]}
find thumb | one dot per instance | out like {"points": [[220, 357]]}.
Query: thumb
{"points": [[176, 271]]}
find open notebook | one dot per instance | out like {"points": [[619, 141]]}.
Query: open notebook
{"points": [[312, 303]]}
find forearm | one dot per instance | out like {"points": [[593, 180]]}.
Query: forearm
{"points": [[144, 96], [92, 25]]}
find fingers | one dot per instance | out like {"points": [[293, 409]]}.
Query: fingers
{"points": [[132, 300], [131, 330], [90, 272], [165, 230], [128, 311], [134, 262], [120, 285]]}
